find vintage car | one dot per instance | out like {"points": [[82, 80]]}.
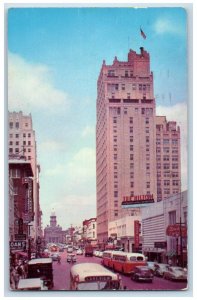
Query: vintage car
{"points": [[142, 273], [160, 269], [175, 273], [71, 257]]}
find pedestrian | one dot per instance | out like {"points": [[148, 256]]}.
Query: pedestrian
{"points": [[20, 271], [12, 282], [59, 259], [16, 278]]}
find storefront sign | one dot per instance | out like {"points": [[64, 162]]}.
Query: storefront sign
{"points": [[136, 234], [174, 230], [17, 245], [161, 245], [138, 200]]}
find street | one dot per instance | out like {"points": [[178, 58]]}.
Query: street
{"points": [[61, 273]]}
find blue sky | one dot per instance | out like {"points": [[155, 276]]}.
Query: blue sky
{"points": [[54, 59]]}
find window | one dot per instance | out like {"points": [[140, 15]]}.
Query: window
{"points": [[115, 213], [174, 142], [133, 86], [10, 143], [131, 156], [131, 129], [147, 149], [132, 193], [166, 158], [17, 135], [11, 135], [15, 173], [29, 150], [131, 147], [16, 150], [131, 120], [148, 185], [26, 124], [166, 150], [115, 193], [17, 143], [24, 143], [114, 120], [166, 182], [174, 158], [147, 120], [29, 157], [29, 134], [131, 139], [10, 150], [125, 111], [166, 166], [147, 139], [11, 125], [123, 87], [132, 175], [131, 165], [126, 73], [115, 156], [166, 141], [143, 111], [24, 134], [147, 166], [132, 184], [29, 143], [115, 174], [17, 125], [174, 166], [128, 95], [172, 217], [147, 129], [175, 182]]}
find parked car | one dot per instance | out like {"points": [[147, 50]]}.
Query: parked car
{"points": [[175, 273], [79, 252], [54, 256], [100, 254], [70, 249], [71, 258], [151, 266], [142, 273], [160, 269]]}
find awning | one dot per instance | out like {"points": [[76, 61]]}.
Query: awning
{"points": [[21, 253]]}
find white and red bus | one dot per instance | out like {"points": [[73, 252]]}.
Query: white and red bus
{"points": [[92, 276], [123, 262]]}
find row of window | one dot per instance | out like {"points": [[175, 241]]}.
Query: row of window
{"points": [[17, 150], [17, 143], [11, 135], [16, 125]]}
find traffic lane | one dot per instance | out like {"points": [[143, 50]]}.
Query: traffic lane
{"points": [[61, 272], [157, 284], [62, 277]]}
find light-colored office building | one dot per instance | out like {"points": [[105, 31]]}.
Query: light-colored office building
{"points": [[126, 130]]}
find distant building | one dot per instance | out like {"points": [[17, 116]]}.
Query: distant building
{"points": [[53, 233], [90, 230]]}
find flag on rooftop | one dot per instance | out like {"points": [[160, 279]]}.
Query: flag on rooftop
{"points": [[142, 33]]}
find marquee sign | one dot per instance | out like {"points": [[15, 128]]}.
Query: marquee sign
{"points": [[138, 200]]}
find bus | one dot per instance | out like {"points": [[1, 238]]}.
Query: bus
{"points": [[93, 276], [123, 262]]}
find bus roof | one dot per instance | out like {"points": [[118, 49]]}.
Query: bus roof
{"points": [[128, 254], [91, 269], [47, 260], [29, 283]]}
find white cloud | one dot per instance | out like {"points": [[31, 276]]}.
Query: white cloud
{"points": [[52, 146], [165, 25], [30, 87], [88, 131], [178, 113]]}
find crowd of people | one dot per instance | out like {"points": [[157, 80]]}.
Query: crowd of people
{"points": [[17, 271]]}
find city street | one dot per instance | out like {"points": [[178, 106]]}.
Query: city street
{"points": [[61, 274]]}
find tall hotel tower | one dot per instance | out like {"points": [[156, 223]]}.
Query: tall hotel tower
{"points": [[125, 136]]}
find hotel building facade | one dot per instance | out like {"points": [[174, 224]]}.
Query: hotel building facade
{"points": [[127, 133]]}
